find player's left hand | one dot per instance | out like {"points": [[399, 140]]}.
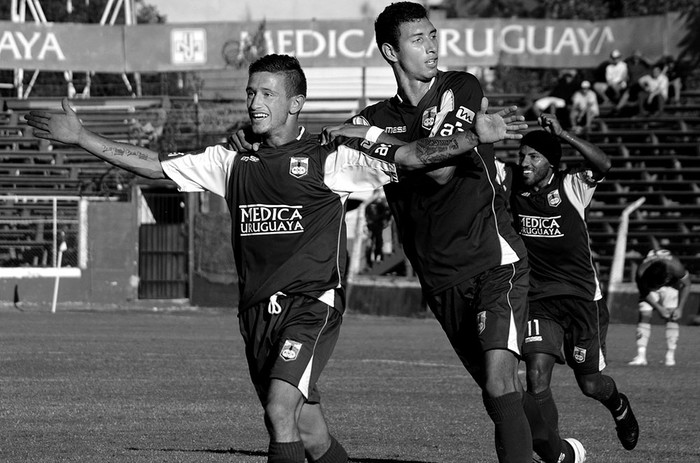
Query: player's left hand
{"points": [[551, 124], [506, 124]]}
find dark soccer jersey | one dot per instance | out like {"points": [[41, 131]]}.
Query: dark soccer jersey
{"points": [[455, 231], [673, 272], [287, 207], [553, 226]]}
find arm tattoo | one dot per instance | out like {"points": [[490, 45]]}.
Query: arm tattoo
{"points": [[124, 152], [431, 151]]}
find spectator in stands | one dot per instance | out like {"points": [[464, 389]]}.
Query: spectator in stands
{"points": [[637, 67], [676, 73], [568, 317], [654, 93], [287, 203], [559, 99], [584, 108], [664, 286], [616, 79]]}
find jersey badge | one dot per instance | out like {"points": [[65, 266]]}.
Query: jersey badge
{"points": [[579, 354], [466, 114], [554, 198], [290, 350], [298, 166], [428, 119], [481, 320]]}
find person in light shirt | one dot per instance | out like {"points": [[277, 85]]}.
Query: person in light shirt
{"points": [[616, 79], [654, 92], [584, 108]]}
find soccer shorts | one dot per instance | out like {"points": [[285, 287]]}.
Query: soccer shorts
{"points": [[488, 311], [666, 297], [576, 325], [293, 345]]}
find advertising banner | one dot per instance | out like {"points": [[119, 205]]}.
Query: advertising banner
{"points": [[463, 42]]}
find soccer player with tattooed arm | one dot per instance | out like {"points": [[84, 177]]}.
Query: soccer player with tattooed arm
{"points": [[287, 205]]}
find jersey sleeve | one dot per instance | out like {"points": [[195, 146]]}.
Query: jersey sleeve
{"points": [[580, 184], [207, 170], [358, 165]]}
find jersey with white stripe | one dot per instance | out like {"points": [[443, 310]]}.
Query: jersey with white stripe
{"points": [[287, 206], [450, 232], [552, 222]]}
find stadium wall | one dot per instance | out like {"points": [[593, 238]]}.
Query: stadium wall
{"points": [[112, 272]]}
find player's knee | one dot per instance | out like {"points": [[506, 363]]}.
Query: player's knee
{"points": [[591, 385], [279, 417]]}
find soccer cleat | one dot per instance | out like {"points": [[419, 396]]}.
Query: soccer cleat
{"points": [[579, 451], [641, 361], [627, 426], [670, 359]]}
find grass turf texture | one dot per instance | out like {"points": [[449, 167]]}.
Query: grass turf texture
{"points": [[173, 387]]}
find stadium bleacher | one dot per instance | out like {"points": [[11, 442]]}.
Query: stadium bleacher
{"points": [[655, 157]]}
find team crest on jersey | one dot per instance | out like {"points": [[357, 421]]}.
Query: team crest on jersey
{"points": [[428, 119], [290, 350], [481, 321], [579, 354], [298, 166], [554, 198]]}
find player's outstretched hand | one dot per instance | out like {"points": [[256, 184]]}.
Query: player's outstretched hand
{"points": [[62, 127], [243, 140], [551, 124], [506, 124]]}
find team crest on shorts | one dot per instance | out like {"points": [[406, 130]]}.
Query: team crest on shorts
{"points": [[298, 166], [579, 354], [481, 321], [428, 119], [554, 198], [290, 350]]}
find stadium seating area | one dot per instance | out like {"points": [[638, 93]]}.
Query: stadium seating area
{"points": [[657, 158]]}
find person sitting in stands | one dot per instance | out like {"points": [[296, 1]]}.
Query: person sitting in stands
{"points": [[584, 108], [616, 79], [637, 67], [654, 92], [558, 102]]}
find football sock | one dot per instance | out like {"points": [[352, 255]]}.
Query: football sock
{"points": [[335, 454], [643, 335], [545, 436], [548, 407], [286, 452], [608, 395], [513, 437], [672, 333]]}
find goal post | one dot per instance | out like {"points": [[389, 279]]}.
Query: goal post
{"points": [[617, 269]]}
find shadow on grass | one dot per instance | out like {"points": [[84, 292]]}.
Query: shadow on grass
{"points": [[257, 453]]}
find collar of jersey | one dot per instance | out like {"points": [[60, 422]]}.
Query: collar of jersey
{"points": [[432, 81]]}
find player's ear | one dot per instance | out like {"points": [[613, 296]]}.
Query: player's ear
{"points": [[297, 103], [389, 52]]}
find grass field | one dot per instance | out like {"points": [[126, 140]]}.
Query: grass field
{"points": [[137, 386]]}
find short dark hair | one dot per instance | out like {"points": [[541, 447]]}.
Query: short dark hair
{"points": [[295, 79], [387, 27]]}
